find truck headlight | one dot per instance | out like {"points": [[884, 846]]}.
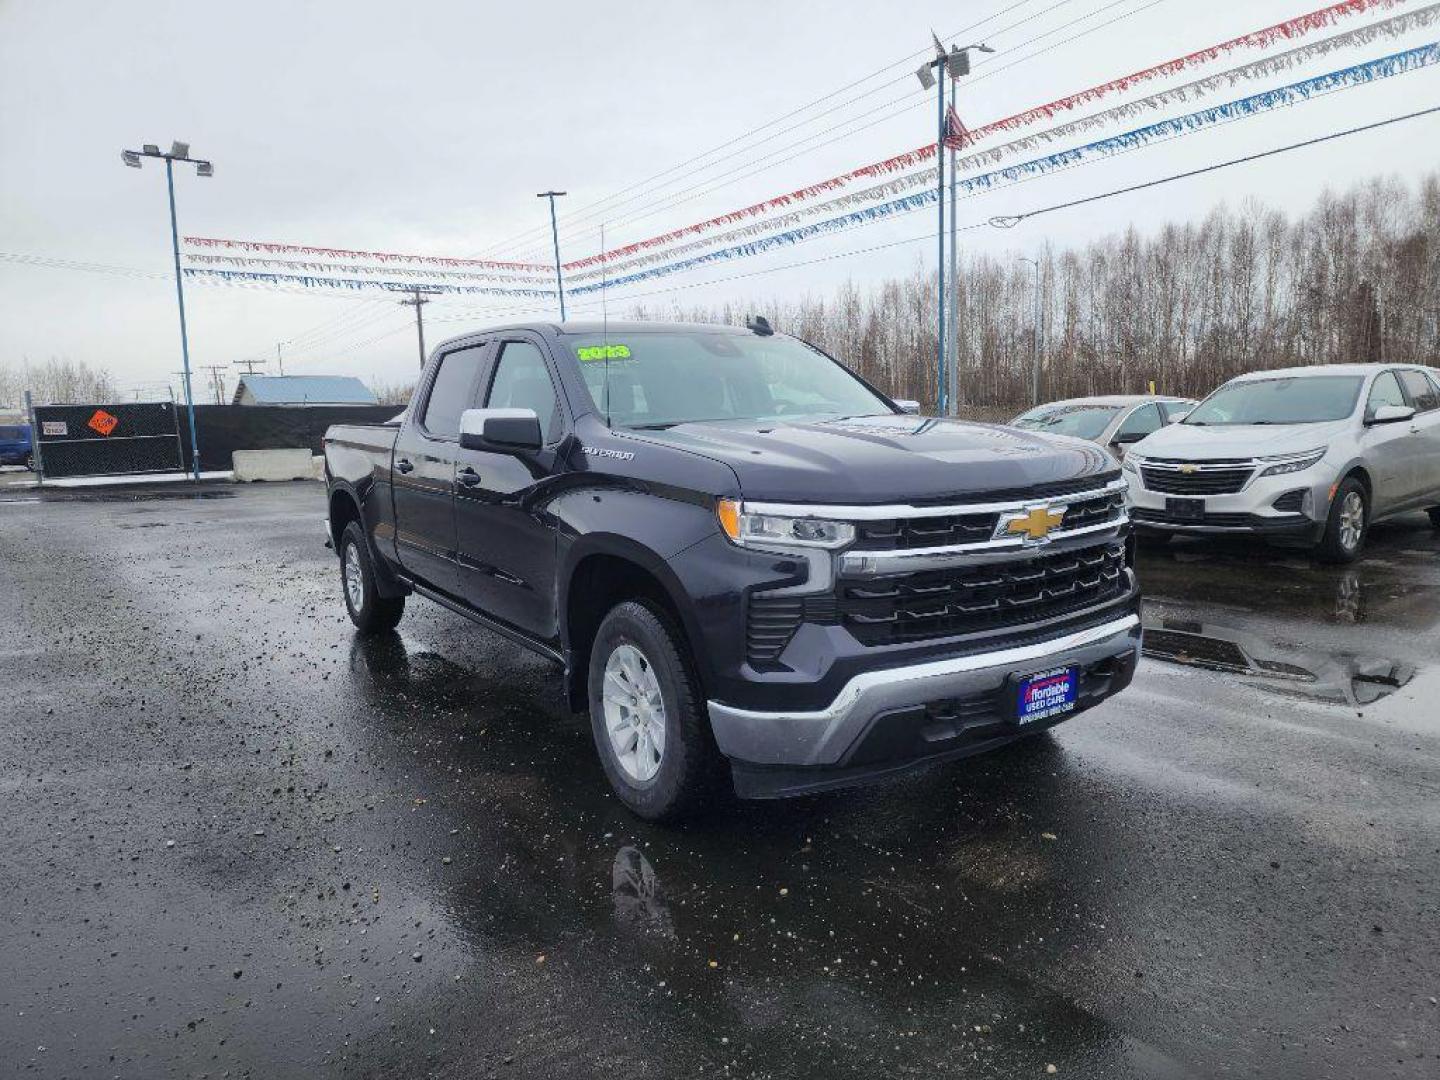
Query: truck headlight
{"points": [[764, 530], [1291, 463]]}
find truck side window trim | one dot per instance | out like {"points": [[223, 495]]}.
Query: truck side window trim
{"points": [[552, 438], [433, 377]]}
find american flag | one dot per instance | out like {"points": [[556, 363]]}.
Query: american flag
{"points": [[956, 133]]}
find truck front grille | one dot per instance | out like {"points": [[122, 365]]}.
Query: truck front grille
{"points": [[971, 599]]}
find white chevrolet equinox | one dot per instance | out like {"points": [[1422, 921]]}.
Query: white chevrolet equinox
{"points": [[1314, 455]]}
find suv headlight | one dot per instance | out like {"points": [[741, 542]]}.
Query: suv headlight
{"points": [[1292, 463], [765, 530], [1131, 463]]}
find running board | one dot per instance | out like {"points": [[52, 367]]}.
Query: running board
{"points": [[519, 637]]}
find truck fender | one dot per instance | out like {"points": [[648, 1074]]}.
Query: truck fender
{"points": [[346, 505]]}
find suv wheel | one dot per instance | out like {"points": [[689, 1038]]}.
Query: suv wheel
{"points": [[369, 611], [647, 715], [1347, 524]]}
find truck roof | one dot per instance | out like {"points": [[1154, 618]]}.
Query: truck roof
{"points": [[594, 327]]}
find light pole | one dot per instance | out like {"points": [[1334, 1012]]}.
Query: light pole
{"points": [[956, 63], [555, 236], [1035, 337], [179, 151]]}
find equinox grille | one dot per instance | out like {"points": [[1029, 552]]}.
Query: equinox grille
{"points": [[1209, 478]]}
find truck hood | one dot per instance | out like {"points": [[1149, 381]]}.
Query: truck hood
{"points": [[1193, 442], [884, 459]]}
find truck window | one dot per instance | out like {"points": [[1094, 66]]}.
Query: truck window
{"points": [[450, 392], [522, 381]]}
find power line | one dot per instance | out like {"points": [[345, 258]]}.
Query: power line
{"points": [[1009, 221], [722, 180], [599, 206]]}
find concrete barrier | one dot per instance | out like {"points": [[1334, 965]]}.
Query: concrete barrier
{"points": [[251, 465]]}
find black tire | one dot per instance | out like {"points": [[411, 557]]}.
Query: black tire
{"points": [[1434, 513], [685, 777], [1333, 546], [369, 611]]}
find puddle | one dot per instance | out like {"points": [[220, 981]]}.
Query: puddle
{"points": [[1350, 679]]}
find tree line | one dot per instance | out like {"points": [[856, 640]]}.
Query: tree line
{"points": [[58, 382], [1185, 307]]}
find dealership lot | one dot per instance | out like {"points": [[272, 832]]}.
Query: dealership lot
{"points": [[234, 839]]}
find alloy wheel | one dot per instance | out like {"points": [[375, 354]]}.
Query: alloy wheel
{"points": [[354, 578], [634, 712], [1352, 520]]}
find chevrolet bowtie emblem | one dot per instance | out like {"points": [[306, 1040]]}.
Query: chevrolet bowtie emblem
{"points": [[1189, 468], [1034, 523]]}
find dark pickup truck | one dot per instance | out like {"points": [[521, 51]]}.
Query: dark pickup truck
{"points": [[741, 552]]}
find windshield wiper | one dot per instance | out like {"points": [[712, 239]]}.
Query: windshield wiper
{"points": [[655, 427]]}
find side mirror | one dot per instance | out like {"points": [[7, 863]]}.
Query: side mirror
{"points": [[1391, 414], [1177, 416], [1125, 438], [500, 429], [911, 407]]}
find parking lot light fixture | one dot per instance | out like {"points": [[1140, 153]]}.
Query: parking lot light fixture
{"points": [[179, 151]]}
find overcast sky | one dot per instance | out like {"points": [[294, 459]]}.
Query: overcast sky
{"points": [[428, 127]]}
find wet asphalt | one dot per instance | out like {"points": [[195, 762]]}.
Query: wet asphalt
{"points": [[235, 841]]}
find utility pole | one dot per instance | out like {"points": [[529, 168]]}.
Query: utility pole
{"points": [[955, 63], [217, 382], [250, 365], [179, 151], [555, 236], [1035, 337], [279, 360], [417, 301], [952, 341]]}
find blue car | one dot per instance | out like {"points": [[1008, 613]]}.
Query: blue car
{"points": [[15, 447]]}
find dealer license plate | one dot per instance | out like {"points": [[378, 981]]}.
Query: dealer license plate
{"points": [[1047, 694]]}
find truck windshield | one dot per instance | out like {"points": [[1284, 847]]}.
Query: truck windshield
{"points": [[659, 380], [1082, 421], [1301, 399]]}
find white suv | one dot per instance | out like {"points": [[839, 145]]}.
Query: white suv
{"points": [[1314, 454]]}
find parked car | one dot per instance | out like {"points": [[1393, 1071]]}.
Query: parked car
{"points": [[1314, 455], [739, 551], [15, 445], [1114, 421]]}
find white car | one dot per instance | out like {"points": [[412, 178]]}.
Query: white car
{"points": [[1313, 454], [1115, 421]]}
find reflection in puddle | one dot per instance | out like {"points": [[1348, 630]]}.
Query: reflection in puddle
{"points": [[1334, 678], [639, 903]]}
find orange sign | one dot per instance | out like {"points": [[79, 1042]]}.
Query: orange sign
{"points": [[102, 422]]}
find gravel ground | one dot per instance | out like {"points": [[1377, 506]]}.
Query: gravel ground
{"points": [[236, 841]]}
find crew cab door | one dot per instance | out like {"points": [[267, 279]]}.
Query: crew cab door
{"points": [[507, 547], [424, 469]]}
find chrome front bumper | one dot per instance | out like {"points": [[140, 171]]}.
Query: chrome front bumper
{"points": [[824, 737]]}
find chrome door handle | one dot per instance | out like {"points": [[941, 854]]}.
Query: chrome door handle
{"points": [[404, 466], [468, 477]]}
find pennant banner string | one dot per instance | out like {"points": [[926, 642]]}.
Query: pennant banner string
{"points": [[1288, 30], [360, 268], [1270, 65], [1357, 75], [315, 281]]}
